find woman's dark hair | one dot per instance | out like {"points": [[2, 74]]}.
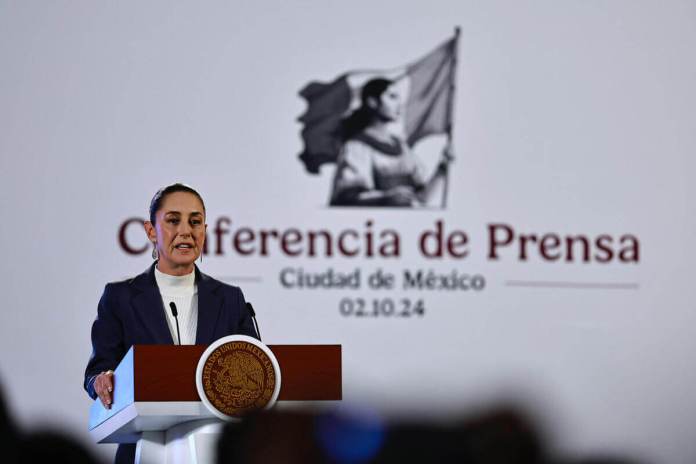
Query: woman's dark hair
{"points": [[359, 119], [159, 197]]}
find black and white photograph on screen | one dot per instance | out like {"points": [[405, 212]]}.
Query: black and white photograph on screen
{"points": [[368, 124]]}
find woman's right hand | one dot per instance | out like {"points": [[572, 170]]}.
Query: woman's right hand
{"points": [[104, 387]]}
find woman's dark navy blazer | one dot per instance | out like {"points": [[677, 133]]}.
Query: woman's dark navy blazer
{"points": [[131, 312]]}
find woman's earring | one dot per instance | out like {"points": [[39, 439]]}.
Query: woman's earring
{"points": [[201, 257], [155, 254]]}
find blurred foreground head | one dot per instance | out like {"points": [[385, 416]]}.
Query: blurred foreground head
{"points": [[499, 437], [46, 446], [37, 446], [8, 432]]}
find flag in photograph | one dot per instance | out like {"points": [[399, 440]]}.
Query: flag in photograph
{"points": [[426, 87]]}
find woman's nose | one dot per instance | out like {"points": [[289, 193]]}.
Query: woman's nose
{"points": [[184, 228]]}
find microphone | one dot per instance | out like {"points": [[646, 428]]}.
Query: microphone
{"points": [[175, 313], [253, 318]]}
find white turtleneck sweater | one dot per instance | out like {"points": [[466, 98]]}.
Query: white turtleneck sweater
{"points": [[181, 290]]}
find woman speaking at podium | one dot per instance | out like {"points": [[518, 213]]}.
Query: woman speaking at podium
{"points": [[172, 302]]}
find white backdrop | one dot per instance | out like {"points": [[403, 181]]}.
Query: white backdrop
{"points": [[571, 118]]}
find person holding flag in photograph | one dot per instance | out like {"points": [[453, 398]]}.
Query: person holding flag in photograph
{"points": [[367, 123], [376, 167]]}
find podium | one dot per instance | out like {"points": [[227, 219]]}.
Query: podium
{"points": [[156, 403]]}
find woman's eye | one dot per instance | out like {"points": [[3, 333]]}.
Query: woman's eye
{"points": [[173, 221]]}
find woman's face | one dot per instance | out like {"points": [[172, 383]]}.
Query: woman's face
{"points": [[389, 108], [179, 232]]}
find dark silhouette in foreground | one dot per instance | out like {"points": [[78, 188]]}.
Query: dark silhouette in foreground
{"points": [[500, 436], [37, 446]]}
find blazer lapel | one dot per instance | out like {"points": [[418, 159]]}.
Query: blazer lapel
{"points": [[149, 307], [209, 307]]}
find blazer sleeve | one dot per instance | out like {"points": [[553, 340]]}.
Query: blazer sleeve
{"points": [[107, 339]]}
